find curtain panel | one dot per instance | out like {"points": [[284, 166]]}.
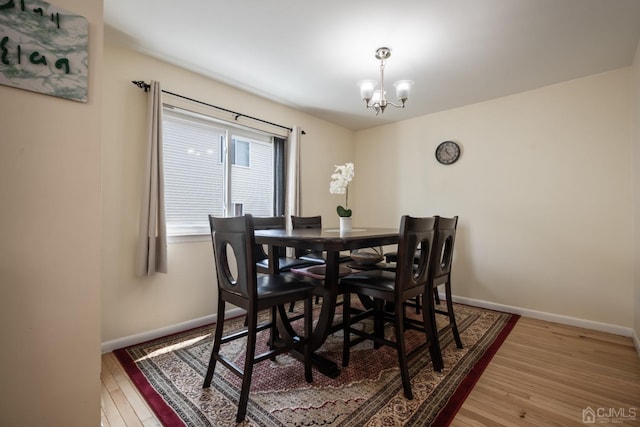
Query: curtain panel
{"points": [[293, 200], [152, 238]]}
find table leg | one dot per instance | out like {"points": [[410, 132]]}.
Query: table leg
{"points": [[329, 293]]}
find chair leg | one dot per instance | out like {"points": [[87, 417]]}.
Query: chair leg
{"points": [[273, 330], [248, 366], [436, 295], [346, 326], [308, 330], [431, 331], [292, 306], [452, 316], [378, 320], [217, 341], [402, 351]]}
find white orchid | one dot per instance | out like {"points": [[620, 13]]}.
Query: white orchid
{"points": [[341, 178]]}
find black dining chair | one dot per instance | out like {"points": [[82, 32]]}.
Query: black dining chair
{"points": [[314, 223], [441, 273], [302, 222], [388, 288], [262, 259], [309, 255], [239, 284], [391, 259], [308, 222]]}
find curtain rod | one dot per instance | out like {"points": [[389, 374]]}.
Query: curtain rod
{"points": [[142, 85]]}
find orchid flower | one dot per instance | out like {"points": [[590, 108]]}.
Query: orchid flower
{"points": [[341, 178]]}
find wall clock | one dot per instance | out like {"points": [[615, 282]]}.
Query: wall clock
{"points": [[448, 152]]}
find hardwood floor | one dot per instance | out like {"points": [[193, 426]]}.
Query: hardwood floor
{"points": [[547, 373], [544, 374]]}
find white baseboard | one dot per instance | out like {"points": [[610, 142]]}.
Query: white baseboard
{"points": [[109, 346], [636, 341], [549, 317]]}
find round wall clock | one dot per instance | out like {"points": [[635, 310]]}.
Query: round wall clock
{"points": [[447, 152]]}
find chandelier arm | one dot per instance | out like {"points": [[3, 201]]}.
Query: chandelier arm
{"points": [[396, 105], [383, 106]]}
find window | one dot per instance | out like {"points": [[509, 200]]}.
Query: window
{"points": [[240, 151], [216, 168]]}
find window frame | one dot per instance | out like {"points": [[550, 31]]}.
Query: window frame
{"points": [[234, 151], [236, 133]]}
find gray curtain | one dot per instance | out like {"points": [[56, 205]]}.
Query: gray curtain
{"points": [[279, 166], [152, 239]]}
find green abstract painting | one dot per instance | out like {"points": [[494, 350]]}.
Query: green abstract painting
{"points": [[44, 49]]}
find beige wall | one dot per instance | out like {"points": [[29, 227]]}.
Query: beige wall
{"points": [[543, 190], [133, 305], [636, 194], [50, 250]]}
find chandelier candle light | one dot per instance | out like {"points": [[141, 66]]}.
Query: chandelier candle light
{"points": [[376, 99], [340, 180]]}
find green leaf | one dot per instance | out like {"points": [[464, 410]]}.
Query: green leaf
{"points": [[343, 212]]}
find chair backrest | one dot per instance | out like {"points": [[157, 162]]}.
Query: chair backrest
{"points": [[306, 222], [267, 223], [417, 236], [234, 237], [443, 252], [299, 222]]}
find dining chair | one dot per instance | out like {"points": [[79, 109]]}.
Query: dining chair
{"points": [[391, 259], [441, 272], [310, 255], [440, 275], [300, 222], [308, 222], [262, 259], [394, 288], [239, 284], [311, 222]]}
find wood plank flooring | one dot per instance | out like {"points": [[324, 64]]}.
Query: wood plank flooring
{"points": [[544, 374]]}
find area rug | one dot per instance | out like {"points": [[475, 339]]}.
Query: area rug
{"points": [[169, 373]]}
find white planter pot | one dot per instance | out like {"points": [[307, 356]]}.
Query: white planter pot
{"points": [[345, 223]]}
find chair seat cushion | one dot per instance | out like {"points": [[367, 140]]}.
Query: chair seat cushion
{"points": [[286, 264], [377, 280], [284, 287], [313, 257], [319, 259], [393, 257]]}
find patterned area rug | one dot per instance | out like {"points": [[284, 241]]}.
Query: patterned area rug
{"points": [[169, 373]]}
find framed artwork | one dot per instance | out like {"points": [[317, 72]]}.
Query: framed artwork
{"points": [[44, 49]]}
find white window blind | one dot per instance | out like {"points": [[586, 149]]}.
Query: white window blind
{"points": [[197, 181]]}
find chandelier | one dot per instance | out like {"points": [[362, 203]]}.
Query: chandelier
{"points": [[376, 98]]}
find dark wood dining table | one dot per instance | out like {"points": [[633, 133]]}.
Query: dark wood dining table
{"points": [[332, 242]]}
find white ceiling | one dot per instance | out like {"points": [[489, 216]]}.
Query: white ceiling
{"points": [[310, 54]]}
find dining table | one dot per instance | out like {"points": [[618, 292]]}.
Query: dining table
{"points": [[331, 241]]}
